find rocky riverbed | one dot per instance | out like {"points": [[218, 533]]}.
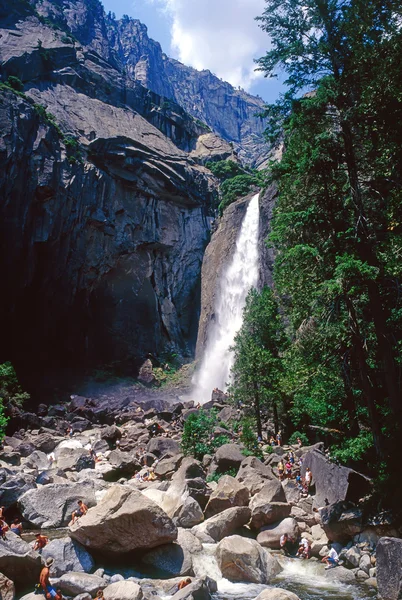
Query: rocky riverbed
{"points": [[156, 516]]}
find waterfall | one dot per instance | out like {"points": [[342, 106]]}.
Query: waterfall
{"points": [[237, 279]]}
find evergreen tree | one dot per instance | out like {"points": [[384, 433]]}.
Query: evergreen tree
{"points": [[257, 364]]}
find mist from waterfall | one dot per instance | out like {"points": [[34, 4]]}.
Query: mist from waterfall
{"points": [[236, 280]]}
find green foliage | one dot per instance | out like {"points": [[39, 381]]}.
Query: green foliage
{"points": [[15, 83], [337, 230], [198, 438], [48, 117], [257, 351], [249, 438], [237, 181], [217, 476], [10, 393], [73, 149], [225, 169], [298, 434]]}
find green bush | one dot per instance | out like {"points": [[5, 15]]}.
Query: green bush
{"points": [[225, 169], [198, 438], [302, 436], [15, 83], [249, 438], [10, 392], [217, 476]]}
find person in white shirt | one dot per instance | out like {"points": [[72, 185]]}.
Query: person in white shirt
{"points": [[332, 559]]}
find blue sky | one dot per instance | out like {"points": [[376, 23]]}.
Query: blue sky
{"points": [[219, 35]]}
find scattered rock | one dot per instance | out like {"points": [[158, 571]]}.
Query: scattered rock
{"points": [[73, 584], [242, 559], [270, 535], [68, 555], [229, 492], [254, 474], [123, 590], [228, 456], [223, 524]]}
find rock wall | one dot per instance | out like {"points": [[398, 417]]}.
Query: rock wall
{"points": [[104, 214]]}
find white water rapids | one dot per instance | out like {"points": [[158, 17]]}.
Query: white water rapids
{"points": [[235, 283]]}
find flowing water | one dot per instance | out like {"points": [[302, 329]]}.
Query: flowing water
{"points": [[236, 281]]}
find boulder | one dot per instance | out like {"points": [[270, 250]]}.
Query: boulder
{"points": [[53, 504], [73, 583], [320, 540], [266, 513], [272, 491], [270, 535], [168, 466], [277, 594], [123, 521], [124, 464], [229, 492], [159, 446], [68, 555], [365, 564], [178, 505], [111, 434], [189, 469], [197, 590], [37, 460], [188, 514], [13, 485], [341, 521], [389, 568], [7, 588], [242, 559], [69, 459], [254, 474], [228, 456], [18, 561], [173, 559], [340, 574], [291, 492], [223, 524], [10, 456], [333, 482], [123, 590]]}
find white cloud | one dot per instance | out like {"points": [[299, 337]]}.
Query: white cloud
{"points": [[219, 35]]}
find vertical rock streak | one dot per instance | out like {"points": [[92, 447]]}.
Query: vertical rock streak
{"points": [[239, 277]]}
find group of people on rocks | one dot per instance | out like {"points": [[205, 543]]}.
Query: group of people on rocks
{"points": [[14, 527], [289, 469], [302, 549]]}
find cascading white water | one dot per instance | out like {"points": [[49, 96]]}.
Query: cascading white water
{"points": [[237, 279]]}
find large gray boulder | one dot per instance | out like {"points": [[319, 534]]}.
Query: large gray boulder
{"points": [[18, 561], [7, 588], [266, 513], [123, 590], [333, 482], [389, 568], [74, 459], [254, 474], [228, 456], [53, 504], [341, 521], [13, 485], [68, 555], [36, 460], [229, 492], [272, 491], [223, 524], [270, 535], [277, 594], [243, 559], [124, 464], [73, 584], [161, 446], [124, 520], [175, 559]]}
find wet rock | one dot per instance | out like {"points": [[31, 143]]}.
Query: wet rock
{"points": [[18, 561], [7, 588], [123, 521], [223, 524], [229, 492], [242, 559], [53, 504], [389, 568], [123, 590], [277, 594], [254, 474], [68, 555], [340, 574], [73, 583], [270, 535]]}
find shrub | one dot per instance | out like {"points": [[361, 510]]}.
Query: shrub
{"points": [[198, 438], [249, 438], [15, 83], [217, 476], [10, 392], [302, 436]]}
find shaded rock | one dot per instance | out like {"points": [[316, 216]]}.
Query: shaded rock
{"points": [[68, 555], [254, 474], [333, 482], [7, 588], [270, 535], [228, 456], [291, 492], [341, 521], [189, 469], [53, 504], [168, 466], [277, 594], [172, 559], [160, 446], [123, 521], [266, 513], [124, 464], [389, 568], [73, 584], [10, 456], [18, 561], [229, 492], [223, 524], [13, 486], [123, 590], [74, 459], [111, 434], [197, 590], [242, 559]]}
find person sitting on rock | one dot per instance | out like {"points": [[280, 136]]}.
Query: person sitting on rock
{"points": [[80, 512], [286, 544], [40, 542], [3, 529], [16, 527], [332, 558], [44, 581], [184, 583], [304, 549], [99, 595]]}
